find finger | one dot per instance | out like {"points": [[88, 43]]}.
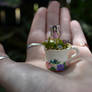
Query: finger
{"points": [[37, 35], [65, 24], [1, 49], [77, 34], [2, 53], [4, 63], [52, 15], [37, 32]]}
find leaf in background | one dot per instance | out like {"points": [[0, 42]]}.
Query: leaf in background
{"points": [[36, 6]]}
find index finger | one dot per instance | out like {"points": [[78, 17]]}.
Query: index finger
{"points": [[37, 32], [37, 35]]}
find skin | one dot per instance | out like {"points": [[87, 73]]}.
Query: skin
{"points": [[32, 76]]}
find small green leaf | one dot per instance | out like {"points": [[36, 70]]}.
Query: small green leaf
{"points": [[64, 64]]}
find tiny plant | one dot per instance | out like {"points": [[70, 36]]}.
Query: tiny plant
{"points": [[56, 44]]}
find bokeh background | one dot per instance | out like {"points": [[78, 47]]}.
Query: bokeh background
{"points": [[16, 17]]}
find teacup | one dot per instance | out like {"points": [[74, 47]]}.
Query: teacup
{"points": [[58, 60]]}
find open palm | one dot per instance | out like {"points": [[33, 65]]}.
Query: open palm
{"points": [[32, 76]]}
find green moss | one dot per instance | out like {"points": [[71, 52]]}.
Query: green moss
{"points": [[57, 44]]}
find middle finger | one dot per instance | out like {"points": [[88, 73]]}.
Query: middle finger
{"points": [[52, 15]]}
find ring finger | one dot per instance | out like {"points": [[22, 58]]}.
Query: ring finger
{"points": [[65, 25]]}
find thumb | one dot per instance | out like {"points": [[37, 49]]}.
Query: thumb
{"points": [[5, 65], [3, 54]]}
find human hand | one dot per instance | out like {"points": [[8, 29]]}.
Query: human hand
{"points": [[80, 73], [32, 76]]}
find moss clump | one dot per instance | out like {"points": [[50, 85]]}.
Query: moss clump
{"points": [[56, 44]]}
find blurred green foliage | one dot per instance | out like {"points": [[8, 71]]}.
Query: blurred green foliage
{"points": [[14, 37], [36, 6], [11, 2]]}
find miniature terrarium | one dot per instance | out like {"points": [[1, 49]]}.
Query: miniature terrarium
{"points": [[59, 54]]}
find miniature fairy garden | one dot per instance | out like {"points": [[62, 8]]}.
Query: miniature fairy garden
{"points": [[56, 44]]}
